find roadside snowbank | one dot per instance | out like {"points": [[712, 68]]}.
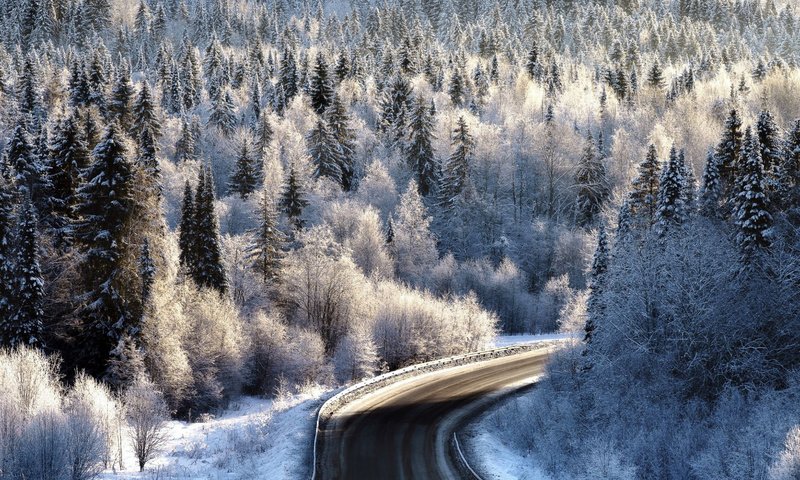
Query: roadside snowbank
{"points": [[254, 438], [509, 340]]}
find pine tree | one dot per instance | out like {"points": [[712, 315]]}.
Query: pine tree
{"points": [[595, 308], [148, 162], [7, 259], [28, 90], [145, 115], [751, 206], [78, 85], [208, 271], [287, 79], [97, 14], [711, 190], [339, 124], [119, 105], [27, 312], [321, 91], [105, 209], [456, 170], [69, 157], [292, 200], [223, 113], [97, 82], [670, 206], [591, 183], [265, 249], [244, 179], [420, 155], [187, 236], [643, 197]]}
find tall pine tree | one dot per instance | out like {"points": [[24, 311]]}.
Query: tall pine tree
{"points": [[420, 155]]}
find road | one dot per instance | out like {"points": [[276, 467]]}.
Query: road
{"points": [[401, 431]]}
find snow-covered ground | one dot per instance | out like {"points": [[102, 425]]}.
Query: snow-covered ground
{"points": [[254, 439], [493, 459], [509, 340]]}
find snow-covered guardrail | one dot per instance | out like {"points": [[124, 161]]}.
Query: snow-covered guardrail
{"points": [[366, 387]]}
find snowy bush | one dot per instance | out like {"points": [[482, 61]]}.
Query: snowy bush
{"points": [[146, 413]]}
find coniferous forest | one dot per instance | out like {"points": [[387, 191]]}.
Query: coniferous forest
{"points": [[203, 199]]}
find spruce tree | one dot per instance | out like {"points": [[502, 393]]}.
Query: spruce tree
{"points": [[29, 172], [267, 241], [751, 206], [244, 179], [711, 191], [788, 191], [643, 197], [769, 139], [7, 258], [396, 104], [264, 135], [186, 148], [324, 152], [119, 105], [457, 88], [78, 85], [28, 94], [728, 153], [292, 200], [28, 296], [595, 308], [339, 124], [420, 154], [223, 114], [209, 272], [670, 206], [69, 157], [533, 64], [287, 79], [591, 184], [456, 170], [187, 231], [147, 274], [321, 91], [145, 115], [105, 209], [655, 77]]}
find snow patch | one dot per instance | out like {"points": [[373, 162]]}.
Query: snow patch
{"points": [[510, 340], [254, 438]]}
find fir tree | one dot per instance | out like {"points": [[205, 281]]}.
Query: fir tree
{"points": [[338, 121], [292, 200], [244, 179], [457, 89], [265, 249], [655, 77], [105, 207], [264, 135], [147, 274], [28, 297], [670, 206], [28, 90], [456, 170], [29, 172], [321, 91], [420, 155], [396, 104], [78, 85], [591, 183], [751, 207], [287, 79], [769, 139]]}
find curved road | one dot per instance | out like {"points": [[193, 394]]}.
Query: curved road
{"points": [[401, 431]]}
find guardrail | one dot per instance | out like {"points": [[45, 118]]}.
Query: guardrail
{"points": [[358, 390]]}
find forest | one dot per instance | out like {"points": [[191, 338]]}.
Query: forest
{"points": [[201, 199]]}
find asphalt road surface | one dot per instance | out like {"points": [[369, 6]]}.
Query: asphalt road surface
{"points": [[401, 431]]}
